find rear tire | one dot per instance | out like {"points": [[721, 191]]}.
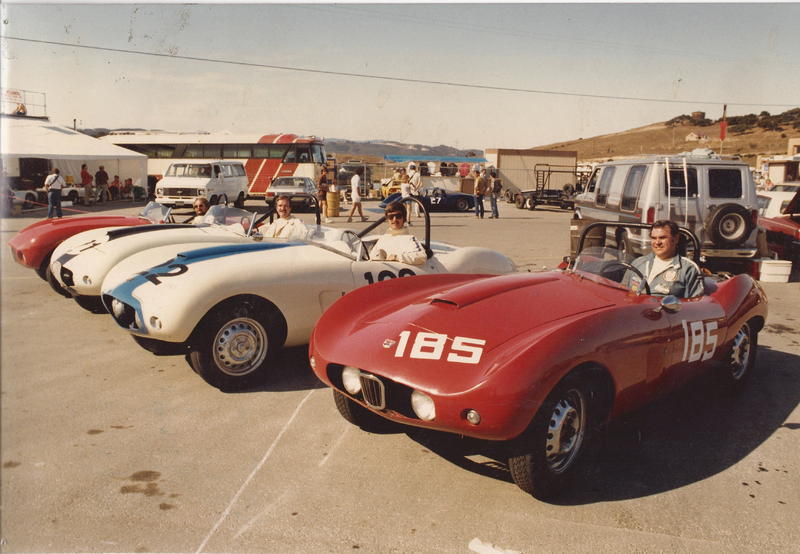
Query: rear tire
{"points": [[239, 201], [552, 448], [742, 358], [73, 197], [462, 205], [519, 201], [29, 201]]}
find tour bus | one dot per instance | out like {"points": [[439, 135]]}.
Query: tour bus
{"points": [[265, 157]]}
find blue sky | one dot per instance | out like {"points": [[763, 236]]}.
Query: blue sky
{"points": [[705, 54]]}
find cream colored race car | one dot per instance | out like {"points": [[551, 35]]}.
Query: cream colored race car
{"points": [[80, 263], [231, 307]]}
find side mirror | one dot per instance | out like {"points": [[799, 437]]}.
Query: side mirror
{"points": [[671, 304], [257, 236]]}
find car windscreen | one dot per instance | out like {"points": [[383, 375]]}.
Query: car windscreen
{"points": [[155, 212], [188, 170]]}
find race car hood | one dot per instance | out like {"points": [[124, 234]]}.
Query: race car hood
{"points": [[496, 317]]}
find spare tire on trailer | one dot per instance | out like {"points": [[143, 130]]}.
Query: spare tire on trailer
{"points": [[729, 225], [519, 201]]}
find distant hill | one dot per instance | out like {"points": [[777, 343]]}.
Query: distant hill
{"points": [[748, 136], [379, 148]]}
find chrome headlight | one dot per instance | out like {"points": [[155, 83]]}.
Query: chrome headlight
{"points": [[423, 406], [351, 379], [159, 191]]}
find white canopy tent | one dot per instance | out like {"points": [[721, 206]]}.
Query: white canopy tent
{"points": [[28, 137]]}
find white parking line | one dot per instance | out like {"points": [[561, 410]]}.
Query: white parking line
{"points": [[253, 473], [246, 527]]}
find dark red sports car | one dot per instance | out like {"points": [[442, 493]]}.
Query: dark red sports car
{"points": [[780, 218], [34, 244], [539, 360]]}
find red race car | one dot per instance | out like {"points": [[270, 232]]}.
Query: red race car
{"points": [[539, 360], [780, 217], [34, 244]]}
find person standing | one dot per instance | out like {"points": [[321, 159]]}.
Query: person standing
{"points": [[322, 193], [480, 192], [101, 182], [415, 186], [355, 196], [494, 193], [53, 184], [86, 183]]}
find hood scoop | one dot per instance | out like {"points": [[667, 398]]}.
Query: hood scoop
{"points": [[483, 289]]}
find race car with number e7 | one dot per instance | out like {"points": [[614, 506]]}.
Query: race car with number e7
{"points": [[230, 308], [539, 361]]}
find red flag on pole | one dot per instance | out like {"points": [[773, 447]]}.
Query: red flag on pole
{"points": [[723, 125]]}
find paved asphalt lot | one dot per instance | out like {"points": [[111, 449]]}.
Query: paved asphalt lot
{"points": [[107, 448]]}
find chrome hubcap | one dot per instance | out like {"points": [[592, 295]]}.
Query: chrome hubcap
{"points": [[740, 353], [565, 431], [240, 346]]}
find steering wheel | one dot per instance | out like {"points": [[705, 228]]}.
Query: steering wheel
{"points": [[609, 267]]}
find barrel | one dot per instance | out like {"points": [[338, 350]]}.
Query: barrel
{"points": [[332, 201]]}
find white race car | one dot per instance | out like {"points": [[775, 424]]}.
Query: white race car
{"points": [[232, 307], [81, 262]]}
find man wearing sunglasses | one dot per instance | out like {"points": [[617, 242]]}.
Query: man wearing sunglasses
{"points": [[200, 207], [398, 244]]}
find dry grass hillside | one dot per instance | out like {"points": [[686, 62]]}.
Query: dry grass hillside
{"points": [[659, 138]]}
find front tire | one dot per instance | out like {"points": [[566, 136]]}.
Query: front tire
{"points": [[553, 446], [54, 284], [239, 201], [235, 343], [91, 303], [358, 415]]}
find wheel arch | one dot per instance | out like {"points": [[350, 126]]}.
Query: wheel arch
{"points": [[276, 316]]}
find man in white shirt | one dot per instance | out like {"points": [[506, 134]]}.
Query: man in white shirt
{"points": [[398, 244], [355, 196], [286, 226], [53, 185], [415, 184]]}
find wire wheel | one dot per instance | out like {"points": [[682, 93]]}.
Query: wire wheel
{"points": [[240, 346]]}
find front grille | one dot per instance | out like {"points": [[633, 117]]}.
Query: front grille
{"points": [[126, 318], [66, 277], [373, 391], [179, 192]]}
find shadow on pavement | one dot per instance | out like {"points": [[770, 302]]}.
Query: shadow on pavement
{"points": [[691, 435]]}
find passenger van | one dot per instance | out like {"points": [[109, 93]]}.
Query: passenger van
{"points": [[712, 196], [220, 182]]}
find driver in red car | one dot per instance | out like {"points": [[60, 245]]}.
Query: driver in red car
{"points": [[665, 271]]}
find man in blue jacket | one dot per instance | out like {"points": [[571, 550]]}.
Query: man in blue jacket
{"points": [[665, 271]]}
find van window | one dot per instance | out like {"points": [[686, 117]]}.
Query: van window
{"points": [[678, 184], [227, 170], [189, 170], [592, 183], [238, 170], [633, 184], [605, 184], [724, 183]]}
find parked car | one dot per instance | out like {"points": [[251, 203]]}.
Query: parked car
{"points": [[33, 246], [219, 181], [301, 191], [714, 197], [779, 216], [536, 360], [230, 308], [438, 199], [81, 263]]}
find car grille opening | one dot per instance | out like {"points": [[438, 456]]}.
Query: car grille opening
{"points": [[66, 277], [373, 391], [125, 318]]}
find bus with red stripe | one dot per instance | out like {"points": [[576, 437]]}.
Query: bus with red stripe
{"points": [[265, 157]]}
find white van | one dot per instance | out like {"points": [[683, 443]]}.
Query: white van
{"points": [[719, 204], [220, 182]]}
